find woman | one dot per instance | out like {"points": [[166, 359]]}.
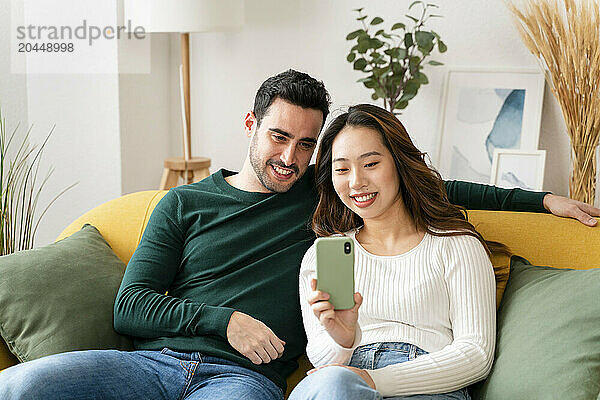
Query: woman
{"points": [[426, 326]]}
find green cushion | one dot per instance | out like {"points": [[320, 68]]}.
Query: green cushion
{"points": [[60, 297], [548, 342]]}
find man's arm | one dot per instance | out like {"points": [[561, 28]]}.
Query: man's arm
{"points": [[564, 207], [141, 308], [485, 197]]}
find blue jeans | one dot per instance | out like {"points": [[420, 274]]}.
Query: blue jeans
{"points": [[334, 383], [119, 375]]}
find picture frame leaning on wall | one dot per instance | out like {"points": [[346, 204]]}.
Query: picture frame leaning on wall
{"points": [[483, 110], [518, 169]]}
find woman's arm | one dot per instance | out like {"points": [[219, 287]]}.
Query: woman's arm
{"points": [[471, 288], [321, 348]]}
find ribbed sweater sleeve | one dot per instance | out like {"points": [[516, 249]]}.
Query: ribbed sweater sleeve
{"points": [[321, 348], [471, 289]]}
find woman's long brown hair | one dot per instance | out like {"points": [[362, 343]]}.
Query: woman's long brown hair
{"points": [[421, 187]]}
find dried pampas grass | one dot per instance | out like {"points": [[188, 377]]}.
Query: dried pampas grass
{"points": [[565, 36]]}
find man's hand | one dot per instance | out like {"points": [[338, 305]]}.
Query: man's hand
{"points": [[360, 372], [340, 324], [564, 207], [253, 339]]}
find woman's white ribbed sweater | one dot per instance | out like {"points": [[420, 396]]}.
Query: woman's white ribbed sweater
{"points": [[439, 296]]}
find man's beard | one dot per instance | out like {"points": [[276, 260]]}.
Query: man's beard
{"points": [[260, 169]]}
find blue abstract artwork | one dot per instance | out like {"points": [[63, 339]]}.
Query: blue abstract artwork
{"points": [[506, 132], [489, 119]]}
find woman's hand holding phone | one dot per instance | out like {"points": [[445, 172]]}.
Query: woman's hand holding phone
{"points": [[340, 324]]}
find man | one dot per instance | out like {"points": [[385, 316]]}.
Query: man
{"points": [[226, 251]]}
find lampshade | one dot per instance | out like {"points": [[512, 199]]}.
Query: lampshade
{"points": [[185, 15]]}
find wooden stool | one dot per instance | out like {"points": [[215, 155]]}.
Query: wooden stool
{"points": [[195, 168]]}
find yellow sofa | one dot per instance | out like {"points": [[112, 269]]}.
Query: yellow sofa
{"points": [[543, 239]]}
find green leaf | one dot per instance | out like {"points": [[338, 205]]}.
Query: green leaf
{"points": [[364, 44], [442, 46], [432, 5], [362, 18], [392, 52], [386, 35], [436, 16], [435, 63], [396, 52], [400, 105], [351, 57], [374, 96], [376, 21], [370, 84], [414, 3], [424, 39], [422, 78], [398, 25], [360, 64], [358, 9], [408, 40], [354, 48], [412, 86], [411, 17], [379, 72], [397, 69], [376, 43], [375, 55], [355, 34], [413, 65], [406, 96], [397, 81], [379, 32]]}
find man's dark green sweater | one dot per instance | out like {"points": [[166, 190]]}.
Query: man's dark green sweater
{"points": [[216, 249]]}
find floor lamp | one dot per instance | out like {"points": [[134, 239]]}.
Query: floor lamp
{"points": [[185, 17]]}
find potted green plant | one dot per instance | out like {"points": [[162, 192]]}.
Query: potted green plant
{"points": [[394, 60], [20, 190]]}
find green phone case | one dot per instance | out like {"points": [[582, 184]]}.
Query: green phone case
{"points": [[335, 270]]}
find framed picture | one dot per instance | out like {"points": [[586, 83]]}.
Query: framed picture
{"points": [[485, 110], [518, 169]]}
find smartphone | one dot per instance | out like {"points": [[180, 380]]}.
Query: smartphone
{"points": [[335, 270]]}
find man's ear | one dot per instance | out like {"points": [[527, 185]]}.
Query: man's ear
{"points": [[250, 123]]}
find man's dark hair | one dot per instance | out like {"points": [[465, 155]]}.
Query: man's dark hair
{"points": [[294, 87]]}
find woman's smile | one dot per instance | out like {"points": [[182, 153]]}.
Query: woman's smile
{"points": [[363, 200]]}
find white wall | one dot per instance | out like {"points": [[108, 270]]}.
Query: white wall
{"points": [[309, 35], [84, 147], [112, 129], [145, 118], [13, 89]]}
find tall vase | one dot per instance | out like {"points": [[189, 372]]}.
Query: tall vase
{"points": [[584, 180], [597, 196]]}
